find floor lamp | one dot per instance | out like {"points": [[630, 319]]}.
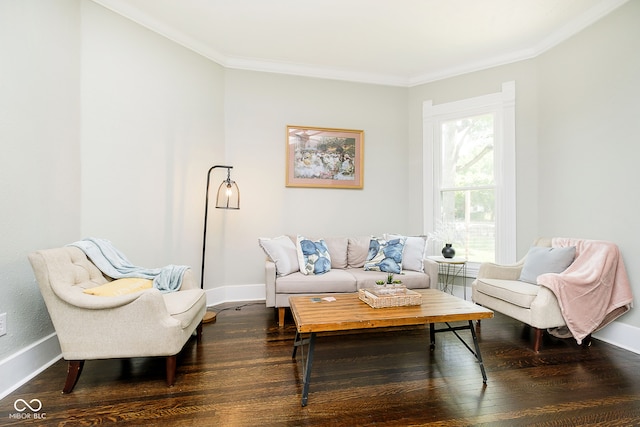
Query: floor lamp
{"points": [[228, 197]]}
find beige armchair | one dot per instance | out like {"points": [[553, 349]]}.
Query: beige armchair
{"points": [[497, 287], [145, 323], [572, 287]]}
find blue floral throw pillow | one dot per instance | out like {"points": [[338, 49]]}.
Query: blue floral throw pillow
{"points": [[385, 255], [313, 257]]}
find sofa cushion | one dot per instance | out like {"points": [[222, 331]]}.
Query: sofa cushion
{"points": [[410, 279], [385, 255], [313, 256], [415, 248], [516, 292], [338, 251], [282, 251], [335, 280], [541, 260], [357, 251]]}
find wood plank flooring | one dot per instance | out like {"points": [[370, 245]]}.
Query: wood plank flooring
{"points": [[242, 374]]}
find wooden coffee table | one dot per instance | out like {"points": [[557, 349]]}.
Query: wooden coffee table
{"points": [[348, 313]]}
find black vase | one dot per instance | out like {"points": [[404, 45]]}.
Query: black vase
{"points": [[448, 251]]}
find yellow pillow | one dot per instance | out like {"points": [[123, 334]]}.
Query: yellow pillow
{"points": [[124, 286]]}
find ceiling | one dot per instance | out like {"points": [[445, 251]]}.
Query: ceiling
{"points": [[390, 42]]}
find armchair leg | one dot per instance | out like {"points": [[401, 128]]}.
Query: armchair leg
{"points": [[199, 333], [73, 373], [281, 317], [171, 370], [537, 339]]}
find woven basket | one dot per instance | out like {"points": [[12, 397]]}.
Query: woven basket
{"points": [[376, 300]]}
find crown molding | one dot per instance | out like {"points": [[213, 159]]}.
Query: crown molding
{"points": [[314, 71]]}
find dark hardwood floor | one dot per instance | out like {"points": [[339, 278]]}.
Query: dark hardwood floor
{"points": [[242, 374]]}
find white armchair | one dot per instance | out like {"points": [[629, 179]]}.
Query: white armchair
{"points": [[497, 287], [145, 323], [572, 287]]}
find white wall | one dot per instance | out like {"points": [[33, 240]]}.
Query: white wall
{"points": [[39, 168], [40, 164], [589, 107], [259, 106], [152, 125]]}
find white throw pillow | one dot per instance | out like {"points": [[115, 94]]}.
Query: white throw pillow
{"points": [[282, 251]]}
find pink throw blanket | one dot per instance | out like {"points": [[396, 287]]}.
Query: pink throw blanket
{"points": [[594, 290]]}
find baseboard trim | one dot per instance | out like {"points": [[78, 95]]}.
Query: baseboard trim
{"points": [[240, 293], [621, 335], [19, 368]]}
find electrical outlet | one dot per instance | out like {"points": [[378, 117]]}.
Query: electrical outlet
{"points": [[3, 324]]}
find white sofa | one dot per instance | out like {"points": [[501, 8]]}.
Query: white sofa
{"points": [[283, 278]]}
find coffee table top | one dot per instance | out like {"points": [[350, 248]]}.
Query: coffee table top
{"points": [[348, 312]]}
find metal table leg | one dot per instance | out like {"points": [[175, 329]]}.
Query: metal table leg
{"points": [[432, 336], [307, 370], [477, 353], [455, 329], [297, 342]]}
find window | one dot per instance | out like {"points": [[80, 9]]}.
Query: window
{"points": [[470, 189]]}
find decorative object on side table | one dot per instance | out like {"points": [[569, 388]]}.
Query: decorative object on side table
{"points": [[447, 235], [228, 197], [448, 251]]}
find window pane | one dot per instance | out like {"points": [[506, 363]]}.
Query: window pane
{"points": [[471, 215], [467, 152]]}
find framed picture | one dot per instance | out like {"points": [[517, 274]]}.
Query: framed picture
{"points": [[324, 158]]}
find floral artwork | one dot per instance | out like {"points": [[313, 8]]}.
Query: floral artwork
{"points": [[319, 157]]}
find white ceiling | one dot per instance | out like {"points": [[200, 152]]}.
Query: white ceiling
{"points": [[391, 42]]}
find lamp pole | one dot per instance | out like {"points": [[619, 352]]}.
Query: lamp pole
{"points": [[209, 316]]}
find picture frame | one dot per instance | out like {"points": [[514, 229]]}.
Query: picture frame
{"points": [[324, 157]]}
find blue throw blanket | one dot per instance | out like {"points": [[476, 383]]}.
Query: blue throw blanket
{"points": [[115, 264]]}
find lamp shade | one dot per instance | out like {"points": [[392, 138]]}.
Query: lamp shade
{"points": [[228, 195]]}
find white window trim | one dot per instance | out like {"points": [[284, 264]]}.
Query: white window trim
{"points": [[503, 104]]}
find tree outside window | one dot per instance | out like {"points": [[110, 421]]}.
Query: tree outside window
{"points": [[467, 187]]}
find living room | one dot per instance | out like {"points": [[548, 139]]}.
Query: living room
{"points": [[108, 130]]}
